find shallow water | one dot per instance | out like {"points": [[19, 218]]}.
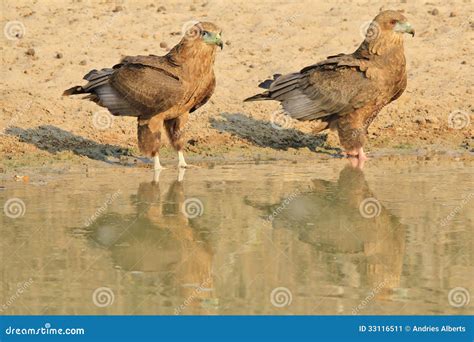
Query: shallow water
{"points": [[279, 238]]}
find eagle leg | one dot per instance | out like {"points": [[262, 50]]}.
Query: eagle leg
{"points": [[357, 157], [175, 131], [149, 139], [156, 162], [361, 154], [156, 175]]}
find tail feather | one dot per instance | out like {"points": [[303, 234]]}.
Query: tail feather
{"points": [[259, 97], [74, 91], [100, 91], [267, 83], [277, 87]]}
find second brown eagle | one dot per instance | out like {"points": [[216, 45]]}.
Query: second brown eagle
{"points": [[347, 91]]}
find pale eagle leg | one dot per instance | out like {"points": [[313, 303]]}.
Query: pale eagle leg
{"points": [[156, 175], [182, 163], [156, 163], [181, 172], [361, 154]]}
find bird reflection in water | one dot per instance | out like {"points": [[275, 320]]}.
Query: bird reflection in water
{"points": [[362, 242], [158, 237]]}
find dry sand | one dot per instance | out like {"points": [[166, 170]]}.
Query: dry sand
{"points": [[63, 40]]}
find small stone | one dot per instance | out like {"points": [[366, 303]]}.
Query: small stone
{"points": [[59, 55], [30, 52], [453, 14], [463, 62], [161, 9], [228, 43], [163, 45], [419, 120], [117, 9], [434, 11], [83, 62], [431, 119]]}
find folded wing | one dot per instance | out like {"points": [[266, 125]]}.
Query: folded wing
{"points": [[337, 85], [139, 85]]}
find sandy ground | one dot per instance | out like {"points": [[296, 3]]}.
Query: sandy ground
{"points": [[58, 42]]}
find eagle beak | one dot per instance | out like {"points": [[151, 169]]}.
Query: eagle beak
{"points": [[404, 27], [219, 42]]}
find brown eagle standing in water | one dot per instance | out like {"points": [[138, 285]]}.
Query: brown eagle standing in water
{"points": [[347, 91], [160, 91]]}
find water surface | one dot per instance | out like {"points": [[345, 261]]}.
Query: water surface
{"points": [[278, 238]]}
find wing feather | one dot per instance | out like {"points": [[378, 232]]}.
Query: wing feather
{"points": [[148, 88], [334, 86]]}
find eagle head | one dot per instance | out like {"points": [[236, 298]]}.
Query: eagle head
{"points": [[204, 32], [392, 21]]}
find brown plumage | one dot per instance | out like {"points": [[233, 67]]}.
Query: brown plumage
{"points": [[159, 90], [347, 91]]}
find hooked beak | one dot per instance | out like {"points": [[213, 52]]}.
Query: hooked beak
{"points": [[219, 42], [404, 27]]}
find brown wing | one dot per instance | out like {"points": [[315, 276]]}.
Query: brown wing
{"points": [[147, 86], [161, 62], [139, 85], [335, 86]]}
